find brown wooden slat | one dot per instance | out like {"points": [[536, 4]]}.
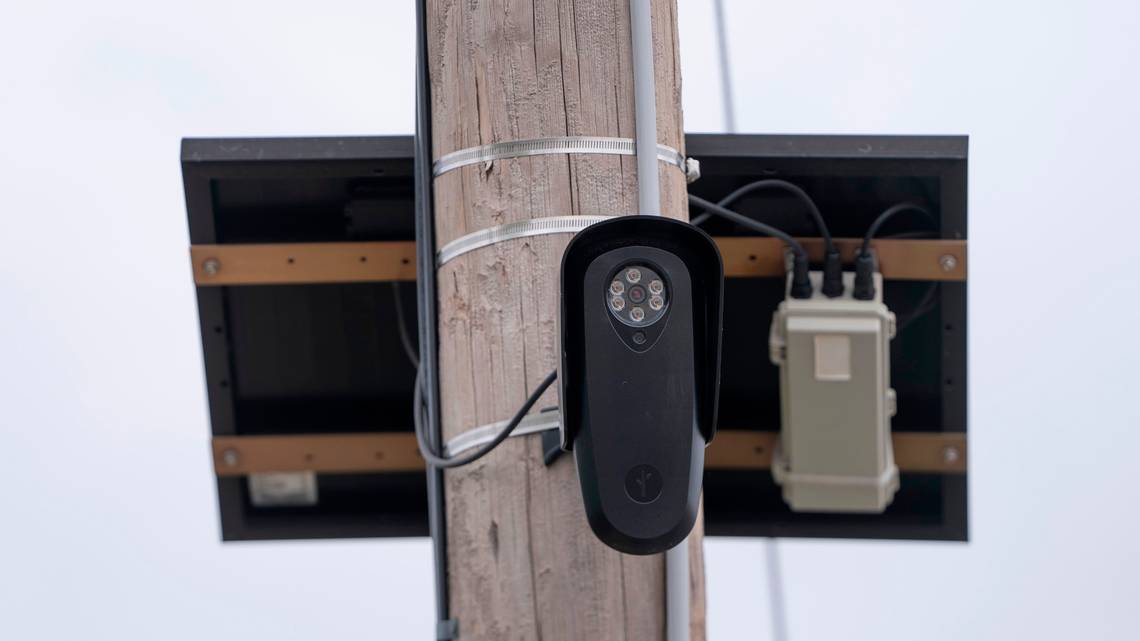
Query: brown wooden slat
{"points": [[898, 259], [914, 451], [395, 260], [396, 452], [740, 450], [921, 452], [331, 453], [303, 263]]}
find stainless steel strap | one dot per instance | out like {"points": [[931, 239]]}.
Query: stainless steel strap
{"points": [[559, 145], [510, 231], [475, 437]]}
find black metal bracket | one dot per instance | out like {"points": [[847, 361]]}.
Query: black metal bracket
{"points": [[551, 447], [447, 630]]}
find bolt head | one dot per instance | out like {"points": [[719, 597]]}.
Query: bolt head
{"points": [[230, 457], [948, 263], [950, 455], [211, 266]]}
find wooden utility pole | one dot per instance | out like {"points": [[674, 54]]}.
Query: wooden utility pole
{"points": [[522, 561]]}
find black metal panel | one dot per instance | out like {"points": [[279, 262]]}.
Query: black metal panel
{"points": [[324, 358], [307, 359], [351, 506], [852, 179]]}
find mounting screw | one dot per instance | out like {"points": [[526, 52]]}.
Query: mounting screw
{"points": [[950, 455], [948, 263], [211, 266], [230, 457]]}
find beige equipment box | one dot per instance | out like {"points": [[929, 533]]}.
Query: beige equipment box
{"points": [[835, 450]]}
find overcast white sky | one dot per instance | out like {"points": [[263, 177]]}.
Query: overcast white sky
{"points": [[108, 526]]}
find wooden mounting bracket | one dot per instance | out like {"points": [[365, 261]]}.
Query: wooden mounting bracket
{"points": [[744, 257], [377, 452]]}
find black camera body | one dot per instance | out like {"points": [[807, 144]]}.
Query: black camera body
{"points": [[640, 372]]}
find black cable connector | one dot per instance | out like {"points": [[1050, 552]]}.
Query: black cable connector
{"points": [[832, 275], [865, 261], [801, 282], [864, 276]]}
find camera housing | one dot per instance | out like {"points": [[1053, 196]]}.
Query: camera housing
{"points": [[640, 372]]}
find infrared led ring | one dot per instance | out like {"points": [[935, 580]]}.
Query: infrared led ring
{"points": [[637, 295]]}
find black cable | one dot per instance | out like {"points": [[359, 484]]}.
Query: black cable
{"points": [[745, 221], [438, 461], [832, 264], [801, 283], [864, 288], [410, 350], [887, 215], [927, 301], [776, 183], [924, 306], [910, 235], [428, 407]]}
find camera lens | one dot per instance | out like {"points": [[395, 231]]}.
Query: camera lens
{"points": [[637, 294]]}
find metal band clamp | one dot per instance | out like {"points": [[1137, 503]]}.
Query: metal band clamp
{"points": [[532, 424], [510, 231], [560, 145]]}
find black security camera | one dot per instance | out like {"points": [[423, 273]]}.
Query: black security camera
{"points": [[640, 371]]}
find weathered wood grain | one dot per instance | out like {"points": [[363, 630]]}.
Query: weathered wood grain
{"points": [[522, 562]]}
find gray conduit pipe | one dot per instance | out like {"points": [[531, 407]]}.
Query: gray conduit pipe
{"points": [[645, 108], [649, 204]]}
